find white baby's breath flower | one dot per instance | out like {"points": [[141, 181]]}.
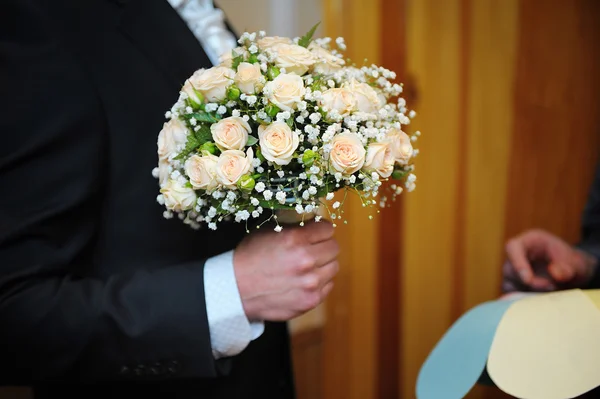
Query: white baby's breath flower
{"points": [[260, 187], [312, 190], [329, 196], [278, 228], [212, 212], [299, 209], [242, 215], [336, 205], [254, 201], [268, 194], [280, 196]]}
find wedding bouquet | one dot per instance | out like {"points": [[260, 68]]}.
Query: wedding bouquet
{"points": [[279, 127]]}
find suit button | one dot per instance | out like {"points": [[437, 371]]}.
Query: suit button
{"points": [[124, 370]]}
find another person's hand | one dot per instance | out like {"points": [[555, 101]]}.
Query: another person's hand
{"points": [[540, 261], [282, 275]]}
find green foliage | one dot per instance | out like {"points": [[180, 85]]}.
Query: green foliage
{"points": [[399, 174], [203, 116], [203, 134], [306, 39], [233, 93], [251, 141], [195, 141], [236, 59]]}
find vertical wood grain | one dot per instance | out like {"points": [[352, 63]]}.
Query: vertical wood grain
{"points": [[433, 44], [350, 334], [556, 129], [390, 246], [491, 86]]}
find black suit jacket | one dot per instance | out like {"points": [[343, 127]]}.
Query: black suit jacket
{"points": [[99, 294], [590, 226]]}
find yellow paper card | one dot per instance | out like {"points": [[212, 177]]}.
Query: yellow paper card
{"points": [[548, 347], [594, 296]]}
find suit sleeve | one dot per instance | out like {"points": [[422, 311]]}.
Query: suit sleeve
{"points": [[590, 226], [55, 323]]}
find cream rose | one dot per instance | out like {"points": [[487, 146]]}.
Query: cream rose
{"points": [[325, 63], [226, 59], [171, 139], [249, 78], [272, 41], [285, 91], [400, 145], [189, 90], [340, 99], [379, 159], [164, 170], [347, 153], [178, 197], [202, 171], [367, 99], [278, 142], [232, 165], [230, 133], [295, 59], [213, 82]]}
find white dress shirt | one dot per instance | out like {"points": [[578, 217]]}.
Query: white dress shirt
{"points": [[230, 329]]}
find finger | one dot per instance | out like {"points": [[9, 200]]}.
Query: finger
{"points": [[325, 252], [517, 256], [327, 273], [512, 282], [541, 284], [317, 232], [326, 290], [561, 272]]}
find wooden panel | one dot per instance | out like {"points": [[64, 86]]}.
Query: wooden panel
{"points": [[350, 331], [307, 353], [390, 246], [433, 42], [556, 141], [15, 393], [491, 84]]}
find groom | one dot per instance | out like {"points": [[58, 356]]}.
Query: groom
{"points": [[100, 296]]}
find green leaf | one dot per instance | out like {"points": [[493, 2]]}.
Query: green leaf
{"points": [[190, 146], [306, 39], [236, 59], [203, 134], [399, 174], [202, 116], [251, 141]]}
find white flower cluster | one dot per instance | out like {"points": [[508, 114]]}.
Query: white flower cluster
{"points": [[282, 124]]}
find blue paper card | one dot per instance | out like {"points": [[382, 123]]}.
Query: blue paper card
{"points": [[458, 360]]}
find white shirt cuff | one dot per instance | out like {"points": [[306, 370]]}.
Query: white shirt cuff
{"points": [[230, 330]]}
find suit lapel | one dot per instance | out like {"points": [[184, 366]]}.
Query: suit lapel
{"points": [[159, 32]]}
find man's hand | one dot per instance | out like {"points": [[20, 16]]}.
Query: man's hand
{"points": [[540, 261], [282, 275]]}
